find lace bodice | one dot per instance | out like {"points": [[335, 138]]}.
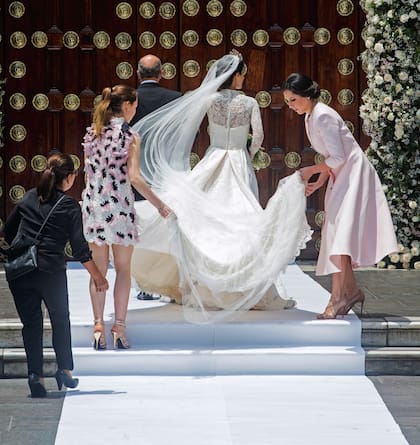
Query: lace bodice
{"points": [[230, 117]]}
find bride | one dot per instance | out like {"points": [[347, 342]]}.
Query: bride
{"points": [[219, 253]]}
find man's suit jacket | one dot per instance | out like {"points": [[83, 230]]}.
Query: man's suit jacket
{"points": [[151, 96]]}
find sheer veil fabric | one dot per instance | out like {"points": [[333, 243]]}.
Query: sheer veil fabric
{"points": [[219, 250]]}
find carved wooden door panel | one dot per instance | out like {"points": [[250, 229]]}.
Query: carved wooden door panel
{"points": [[57, 57]]}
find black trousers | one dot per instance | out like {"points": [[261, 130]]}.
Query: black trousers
{"points": [[28, 292]]}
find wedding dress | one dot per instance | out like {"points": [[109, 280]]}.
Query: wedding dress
{"points": [[220, 253]]}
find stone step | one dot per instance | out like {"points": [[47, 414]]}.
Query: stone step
{"points": [[393, 361]]}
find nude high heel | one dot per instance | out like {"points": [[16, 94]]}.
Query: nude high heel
{"points": [[357, 298], [99, 340], [118, 334]]}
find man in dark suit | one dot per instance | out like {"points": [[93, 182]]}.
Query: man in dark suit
{"points": [[151, 96]]}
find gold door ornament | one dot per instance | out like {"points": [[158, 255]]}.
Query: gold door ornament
{"points": [[345, 36], [17, 69], [68, 250], [190, 8], [345, 67], [325, 97], [263, 98], [167, 39], [40, 102], [319, 218], [260, 37], [124, 70], [39, 39], [71, 102], [238, 8], [18, 133], [191, 68], [261, 160], [168, 70], [17, 101], [291, 35], [318, 244], [194, 159], [167, 10], [214, 37], [214, 8], [238, 37], [123, 40], [292, 159], [350, 126], [1, 162], [101, 40], [147, 40], [76, 162], [39, 163], [124, 10], [319, 158], [18, 40], [16, 193], [345, 7], [345, 96], [322, 36], [17, 164], [147, 10], [71, 39], [210, 63], [16, 9], [190, 38]]}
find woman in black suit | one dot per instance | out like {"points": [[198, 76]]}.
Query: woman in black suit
{"points": [[48, 283]]}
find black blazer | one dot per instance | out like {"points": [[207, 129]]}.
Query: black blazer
{"points": [[152, 96]]}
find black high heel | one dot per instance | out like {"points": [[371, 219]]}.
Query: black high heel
{"points": [[38, 390], [64, 379]]}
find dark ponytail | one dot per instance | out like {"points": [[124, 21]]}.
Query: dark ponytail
{"points": [[302, 85], [59, 166]]}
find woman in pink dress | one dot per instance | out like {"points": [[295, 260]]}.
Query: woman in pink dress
{"points": [[358, 229]]}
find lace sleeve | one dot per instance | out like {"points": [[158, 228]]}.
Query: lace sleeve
{"points": [[257, 128]]}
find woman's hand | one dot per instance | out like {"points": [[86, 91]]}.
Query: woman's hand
{"points": [[306, 173], [311, 187], [164, 210], [101, 283]]}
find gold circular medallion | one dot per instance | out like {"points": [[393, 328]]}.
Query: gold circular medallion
{"points": [[345, 36], [101, 40], [214, 37], [350, 126], [167, 10], [76, 162], [39, 163], [238, 8], [16, 9], [319, 158], [18, 40], [1, 162], [190, 38], [322, 36], [39, 39], [190, 8], [194, 159], [147, 10], [124, 70], [238, 37], [168, 71], [71, 39], [345, 96], [17, 69], [16, 193], [210, 63], [319, 218], [364, 34], [345, 67], [325, 97], [191, 68], [17, 164], [18, 133], [365, 65], [214, 8], [71, 102], [124, 10], [263, 98], [292, 159], [261, 160], [345, 7], [318, 244], [167, 39], [291, 35], [40, 102], [17, 101], [68, 252], [260, 37], [147, 39], [123, 40]]}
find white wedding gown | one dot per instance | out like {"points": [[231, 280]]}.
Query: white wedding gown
{"points": [[220, 253]]}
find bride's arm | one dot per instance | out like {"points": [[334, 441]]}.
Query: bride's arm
{"points": [[257, 129]]}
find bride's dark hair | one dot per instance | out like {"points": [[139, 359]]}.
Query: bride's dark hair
{"points": [[302, 85], [239, 69]]}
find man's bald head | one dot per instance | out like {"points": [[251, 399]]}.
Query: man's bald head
{"points": [[149, 67]]}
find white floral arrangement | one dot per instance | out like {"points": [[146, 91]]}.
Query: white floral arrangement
{"points": [[391, 115]]}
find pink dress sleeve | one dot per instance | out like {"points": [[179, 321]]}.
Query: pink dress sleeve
{"points": [[330, 135]]}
